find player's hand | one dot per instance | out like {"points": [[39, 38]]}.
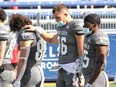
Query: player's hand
{"points": [[88, 85], [29, 28], [81, 81], [79, 61]]}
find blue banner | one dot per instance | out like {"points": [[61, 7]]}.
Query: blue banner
{"points": [[51, 58], [111, 60]]}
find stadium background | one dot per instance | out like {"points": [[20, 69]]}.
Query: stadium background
{"points": [[40, 12]]}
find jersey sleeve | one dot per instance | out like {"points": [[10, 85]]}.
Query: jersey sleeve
{"points": [[3, 35], [25, 36], [77, 28], [102, 40]]}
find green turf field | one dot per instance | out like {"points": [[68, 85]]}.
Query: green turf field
{"points": [[112, 84], [53, 84]]}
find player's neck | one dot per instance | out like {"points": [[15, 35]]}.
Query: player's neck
{"points": [[95, 30]]}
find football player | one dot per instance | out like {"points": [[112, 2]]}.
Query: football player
{"points": [[7, 44], [29, 73], [96, 49]]}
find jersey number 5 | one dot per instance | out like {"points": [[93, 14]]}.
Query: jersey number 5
{"points": [[85, 62]]}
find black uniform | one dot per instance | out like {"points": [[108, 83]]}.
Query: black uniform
{"points": [[33, 75], [68, 52], [7, 74], [89, 63]]}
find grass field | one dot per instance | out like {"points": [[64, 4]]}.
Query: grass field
{"points": [[53, 84]]}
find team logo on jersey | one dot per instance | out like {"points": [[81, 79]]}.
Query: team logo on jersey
{"points": [[27, 35]]}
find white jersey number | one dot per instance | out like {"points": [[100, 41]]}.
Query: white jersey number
{"points": [[63, 46], [85, 62], [40, 50], [10, 49]]}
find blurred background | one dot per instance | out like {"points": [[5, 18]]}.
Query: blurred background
{"points": [[40, 12]]}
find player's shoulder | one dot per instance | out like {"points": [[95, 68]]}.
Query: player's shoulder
{"points": [[4, 32], [100, 34], [76, 27], [101, 38], [25, 35], [76, 24]]}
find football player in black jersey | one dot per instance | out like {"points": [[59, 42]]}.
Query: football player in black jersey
{"points": [[96, 50], [7, 43], [31, 46]]}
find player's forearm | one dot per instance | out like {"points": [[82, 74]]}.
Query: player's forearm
{"points": [[95, 73], [46, 36], [2, 51], [19, 67], [24, 53]]}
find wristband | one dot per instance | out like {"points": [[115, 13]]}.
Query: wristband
{"points": [[39, 30]]}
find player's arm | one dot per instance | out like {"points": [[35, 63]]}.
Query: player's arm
{"points": [[3, 42], [25, 39], [80, 41], [2, 50], [50, 38], [102, 49], [24, 53], [46, 36], [79, 35], [101, 54]]}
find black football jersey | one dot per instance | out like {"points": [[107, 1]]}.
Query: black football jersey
{"points": [[90, 42], [36, 48], [68, 46]]}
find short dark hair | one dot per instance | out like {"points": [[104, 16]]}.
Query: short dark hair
{"points": [[93, 18], [17, 21], [59, 7], [2, 15]]}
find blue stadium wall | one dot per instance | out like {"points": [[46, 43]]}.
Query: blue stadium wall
{"points": [[51, 58]]}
